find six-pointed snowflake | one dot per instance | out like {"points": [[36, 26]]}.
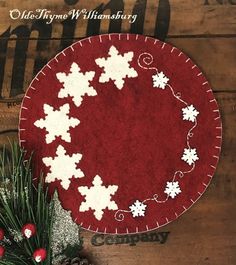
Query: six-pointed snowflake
{"points": [[190, 113], [63, 167], [116, 67], [172, 189], [57, 123], [160, 80], [76, 84], [138, 208], [98, 198], [190, 155]]}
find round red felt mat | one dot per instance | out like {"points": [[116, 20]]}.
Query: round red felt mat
{"points": [[126, 128]]}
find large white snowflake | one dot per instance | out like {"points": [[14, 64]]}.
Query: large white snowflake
{"points": [[116, 67], [98, 198], [190, 113], [63, 167], [160, 80], [57, 123], [76, 84], [190, 155], [138, 208], [172, 189]]}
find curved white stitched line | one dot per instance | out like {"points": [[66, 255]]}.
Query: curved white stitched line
{"points": [[119, 214], [190, 133], [177, 95], [149, 57]]}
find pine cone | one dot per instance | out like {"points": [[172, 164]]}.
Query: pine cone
{"points": [[76, 261]]}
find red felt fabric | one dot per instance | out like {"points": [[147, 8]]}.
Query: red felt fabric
{"points": [[133, 137]]}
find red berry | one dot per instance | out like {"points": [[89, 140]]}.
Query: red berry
{"points": [[40, 255], [2, 234], [28, 230], [2, 251]]}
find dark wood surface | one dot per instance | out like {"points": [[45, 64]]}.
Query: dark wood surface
{"points": [[206, 31]]}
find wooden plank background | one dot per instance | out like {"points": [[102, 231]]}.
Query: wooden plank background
{"points": [[206, 31]]}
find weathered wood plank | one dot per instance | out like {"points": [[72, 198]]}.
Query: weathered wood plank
{"points": [[216, 58], [204, 235], [187, 17]]}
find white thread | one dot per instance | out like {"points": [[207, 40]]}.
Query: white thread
{"points": [[144, 61], [147, 59]]}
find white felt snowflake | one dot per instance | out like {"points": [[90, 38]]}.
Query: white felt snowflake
{"points": [[160, 80], [138, 208], [116, 67], [190, 155], [190, 113], [63, 167], [98, 198], [76, 84], [172, 189], [57, 123]]}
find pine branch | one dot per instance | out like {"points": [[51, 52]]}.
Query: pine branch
{"points": [[22, 202]]}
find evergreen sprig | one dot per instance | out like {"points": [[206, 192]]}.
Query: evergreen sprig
{"points": [[23, 201]]}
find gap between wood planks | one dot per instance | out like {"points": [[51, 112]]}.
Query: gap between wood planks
{"points": [[199, 36]]}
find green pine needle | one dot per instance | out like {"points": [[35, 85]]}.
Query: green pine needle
{"points": [[21, 202]]}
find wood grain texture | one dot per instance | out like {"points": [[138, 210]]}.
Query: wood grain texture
{"points": [[204, 235], [205, 30], [216, 57], [187, 17]]}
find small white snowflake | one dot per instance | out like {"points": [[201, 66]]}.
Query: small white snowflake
{"points": [[98, 198], [160, 80], [138, 208], [76, 84], [190, 155], [63, 167], [190, 113], [57, 123], [116, 67], [172, 189]]}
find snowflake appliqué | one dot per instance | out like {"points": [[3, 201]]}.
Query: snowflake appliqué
{"points": [[116, 67], [76, 84], [172, 189], [190, 155], [160, 80], [63, 167], [138, 208], [190, 113], [98, 198], [55, 128]]}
